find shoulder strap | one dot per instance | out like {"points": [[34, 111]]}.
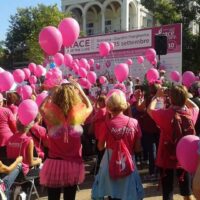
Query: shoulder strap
{"points": [[35, 137]]}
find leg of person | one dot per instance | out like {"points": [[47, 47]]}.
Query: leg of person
{"points": [[70, 192], [167, 181], [99, 158], [151, 148], [10, 179], [54, 193], [185, 183]]}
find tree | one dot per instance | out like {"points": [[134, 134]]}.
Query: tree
{"points": [[180, 11], [24, 30]]}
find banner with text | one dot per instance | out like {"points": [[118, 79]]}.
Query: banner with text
{"points": [[129, 45]]}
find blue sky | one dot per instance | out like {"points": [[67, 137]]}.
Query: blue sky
{"points": [[9, 7]]}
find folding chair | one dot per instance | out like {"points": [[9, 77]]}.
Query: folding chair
{"points": [[22, 181]]}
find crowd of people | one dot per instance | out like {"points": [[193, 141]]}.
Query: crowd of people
{"points": [[134, 113]]}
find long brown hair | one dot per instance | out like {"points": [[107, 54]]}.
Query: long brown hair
{"points": [[65, 97]]}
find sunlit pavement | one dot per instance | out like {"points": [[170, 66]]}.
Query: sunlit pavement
{"points": [[152, 190]]}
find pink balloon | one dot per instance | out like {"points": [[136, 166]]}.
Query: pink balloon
{"points": [[188, 78], [50, 40], [68, 59], [82, 82], [32, 79], [33, 86], [129, 62], [49, 74], [26, 92], [75, 68], [39, 71], [150, 54], [91, 62], [92, 77], [112, 46], [32, 67], [104, 48], [186, 152], [102, 79], [154, 62], [19, 75], [70, 30], [82, 72], [121, 72], [6, 81], [27, 73], [140, 59], [41, 97], [83, 63], [175, 76], [56, 73], [59, 59], [92, 68], [27, 111], [152, 75]]}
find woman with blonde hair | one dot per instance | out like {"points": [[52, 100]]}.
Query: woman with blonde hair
{"points": [[118, 127], [64, 112]]}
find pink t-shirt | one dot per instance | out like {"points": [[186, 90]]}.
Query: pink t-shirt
{"points": [[18, 146], [7, 125], [163, 119], [99, 119], [65, 143], [13, 109], [119, 125], [39, 136]]}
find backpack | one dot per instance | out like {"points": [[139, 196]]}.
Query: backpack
{"points": [[182, 125], [121, 162]]}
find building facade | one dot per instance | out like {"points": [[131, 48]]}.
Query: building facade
{"points": [[108, 16]]}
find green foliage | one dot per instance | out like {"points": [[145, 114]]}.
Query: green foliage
{"points": [[25, 27], [185, 12]]}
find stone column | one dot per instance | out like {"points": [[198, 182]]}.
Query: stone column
{"points": [[125, 15], [84, 23], [103, 21]]}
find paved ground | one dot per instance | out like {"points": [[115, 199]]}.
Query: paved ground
{"points": [[152, 191]]}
